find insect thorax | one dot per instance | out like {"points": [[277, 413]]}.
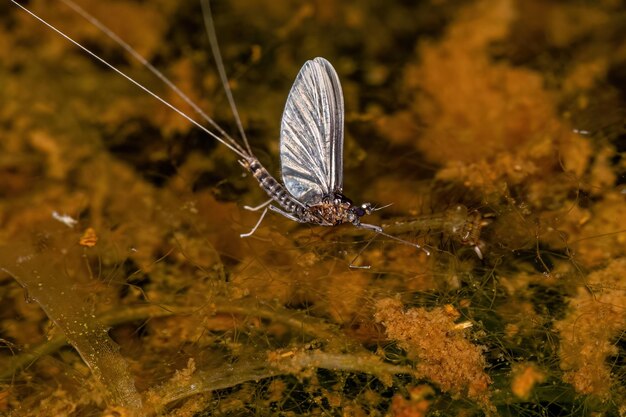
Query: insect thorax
{"points": [[335, 209], [331, 210]]}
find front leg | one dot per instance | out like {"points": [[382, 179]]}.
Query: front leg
{"points": [[256, 226], [371, 227], [259, 207], [379, 231]]}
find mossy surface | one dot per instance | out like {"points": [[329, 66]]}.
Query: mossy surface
{"points": [[151, 304]]}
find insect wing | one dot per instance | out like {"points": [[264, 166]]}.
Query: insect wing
{"points": [[311, 134]]}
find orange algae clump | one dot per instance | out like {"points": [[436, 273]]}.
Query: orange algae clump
{"points": [[416, 406], [525, 377], [89, 238], [493, 122], [597, 317], [443, 353]]}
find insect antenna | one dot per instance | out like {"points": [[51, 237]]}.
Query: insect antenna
{"points": [[405, 242], [379, 232], [382, 207], [143, 61], [352, 265]]}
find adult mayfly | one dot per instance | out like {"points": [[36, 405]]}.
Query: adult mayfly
{"points": [[311, 138]]}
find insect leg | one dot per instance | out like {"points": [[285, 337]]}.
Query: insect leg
{"points": [[259, 207], [371, 227], [352, 265], [256, 226], [287, 215], [379, 231]]}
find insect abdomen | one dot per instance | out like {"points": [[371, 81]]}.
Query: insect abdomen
{"points": [[272, 187]]}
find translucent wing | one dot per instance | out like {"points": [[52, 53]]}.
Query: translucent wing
{"points": [[311, 134]]}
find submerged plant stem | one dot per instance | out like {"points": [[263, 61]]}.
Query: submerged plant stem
{"points": [[310, 326], [279, 363], [52, 271]]}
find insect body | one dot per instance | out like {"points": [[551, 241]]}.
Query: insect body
{"points": [[311, 152], [332, 210], [311, 139]]}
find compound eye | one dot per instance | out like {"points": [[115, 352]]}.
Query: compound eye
{"points": [[360, 211]]}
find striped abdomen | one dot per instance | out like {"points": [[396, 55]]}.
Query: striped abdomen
{"points": [[272, 187]]}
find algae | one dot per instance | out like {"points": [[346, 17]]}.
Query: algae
{"points": [[513, 110]]}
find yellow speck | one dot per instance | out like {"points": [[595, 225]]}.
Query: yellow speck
{"points": [[89, 238]]}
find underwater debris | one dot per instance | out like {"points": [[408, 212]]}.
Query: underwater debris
{"points": [[442, 352], [595, 319], [458, 223], [416, 405], [89, 238], [525, 377], [468, 110], [53, 272]]}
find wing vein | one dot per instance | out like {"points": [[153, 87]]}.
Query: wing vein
{"points": [[311, 141]]}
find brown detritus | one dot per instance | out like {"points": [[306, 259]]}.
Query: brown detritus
{"points": [[4, 399], [601, 236], [89, 238], [344, 310], [595, 318], [513, 108], [442, 353], [52, 270], [276, 390], [451, 77], [416, 405], [525, 377], [302, 363]]}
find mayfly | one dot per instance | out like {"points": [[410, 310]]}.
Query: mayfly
{"points": [[311, 138]]}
